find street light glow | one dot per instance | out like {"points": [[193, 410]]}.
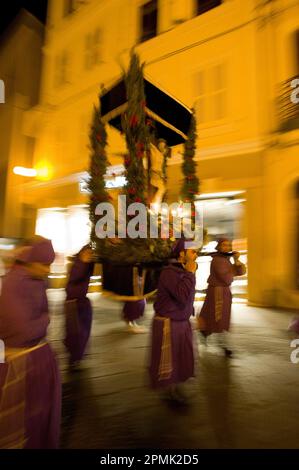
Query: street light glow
{"points": [[22, 171], [44, 170]]}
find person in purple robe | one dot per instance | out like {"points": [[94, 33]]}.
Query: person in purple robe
{"points": [[30, 384], [172, 355], [215, 314], [133, 311], [78, 310]]}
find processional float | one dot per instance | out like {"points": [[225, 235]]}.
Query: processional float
{"points": [[151, 122]]}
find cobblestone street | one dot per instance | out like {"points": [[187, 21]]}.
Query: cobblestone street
{"points": [[249, 401]]}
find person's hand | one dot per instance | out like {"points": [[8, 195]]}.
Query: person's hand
{"points": [[236, 256], [191, 266], [87, 256]]}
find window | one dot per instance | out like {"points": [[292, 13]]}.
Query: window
{"points": [[88, 49], [72, 5], [61, 144], [149, 20], [206, 5], [200, 103], [96, 46], [210, 90], [218, 92], [68, 7], [83, 131], [61, 69], [93, 48]]}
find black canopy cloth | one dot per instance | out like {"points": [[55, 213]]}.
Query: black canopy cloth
{"points": [[122, 281], [171, 118]]}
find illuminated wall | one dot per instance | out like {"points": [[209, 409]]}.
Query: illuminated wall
{"points": [[20, 68]]}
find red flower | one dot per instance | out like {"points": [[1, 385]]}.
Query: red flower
{"points": [[140, 146], [134, 120], [132, 191], [137, 199]]}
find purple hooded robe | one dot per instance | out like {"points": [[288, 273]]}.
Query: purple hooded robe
{"points": [[30, 384], [133, 310], [216, 310], [172, 355], [78, 309]]}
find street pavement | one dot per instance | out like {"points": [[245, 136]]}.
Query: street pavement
{"points": [[247, 401]]}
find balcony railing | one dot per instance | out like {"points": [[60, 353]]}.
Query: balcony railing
{"points": [[288, 109]]}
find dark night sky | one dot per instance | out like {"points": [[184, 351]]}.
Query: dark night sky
{"points": [[37, 7]]}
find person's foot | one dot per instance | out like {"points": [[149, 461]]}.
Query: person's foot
{"points": [[74, 366], [203, 338], [133, 327], [228, 352], [181, 392], [175, 396]]}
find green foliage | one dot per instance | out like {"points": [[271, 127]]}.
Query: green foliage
{"points": [[190, 185], [136, 132], [98, 168]]}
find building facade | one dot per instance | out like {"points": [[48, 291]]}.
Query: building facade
{"points": [[20, 69], [233, 61]]}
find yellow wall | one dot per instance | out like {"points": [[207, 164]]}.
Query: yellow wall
{"points": [[20, 62]]}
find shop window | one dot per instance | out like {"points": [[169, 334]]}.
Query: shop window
{"points": [[149, 20], [68, 228], [223, 216]]}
